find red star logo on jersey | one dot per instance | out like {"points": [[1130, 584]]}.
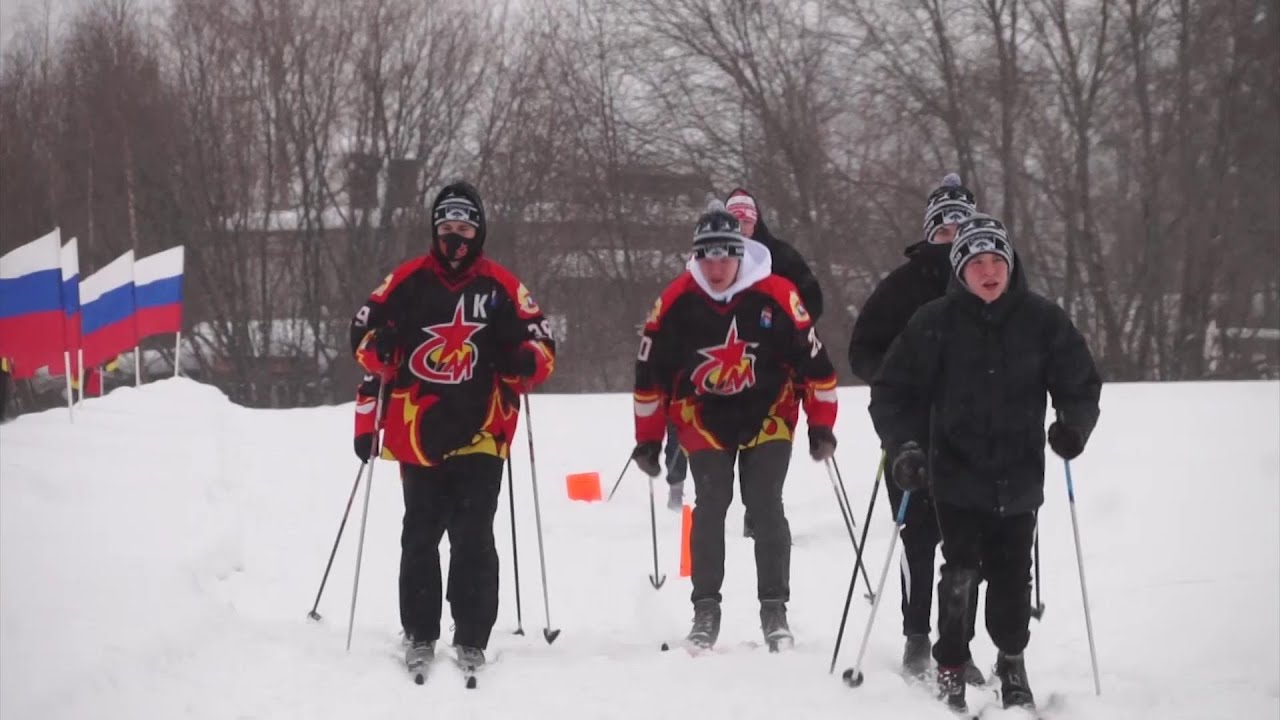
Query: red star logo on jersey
{"points": [[448, 356], [729, 368]]}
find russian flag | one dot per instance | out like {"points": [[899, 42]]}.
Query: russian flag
{"points": [[70, 306], [158, 292], [107, 311], [31, 317]]}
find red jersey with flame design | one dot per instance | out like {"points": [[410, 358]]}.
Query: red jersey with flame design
{"points": [[727, 374], [453, 390]]}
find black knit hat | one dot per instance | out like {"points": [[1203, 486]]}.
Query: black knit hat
{"points": [[458, 201], [977, 235], [718, 229], [951, 202]]}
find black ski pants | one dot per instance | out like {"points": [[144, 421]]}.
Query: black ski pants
{"points": [[459, 497], [979, 545], [920, 539], [764, 470]]}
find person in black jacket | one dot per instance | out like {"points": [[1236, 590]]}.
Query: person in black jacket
{"points": [[787, 262], [924, 277], [967, 379]]}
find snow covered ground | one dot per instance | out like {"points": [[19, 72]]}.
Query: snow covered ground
{"points": [[158, 558]]}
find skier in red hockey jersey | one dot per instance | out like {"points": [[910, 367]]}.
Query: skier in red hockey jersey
{"points": [[723, 352], [456, 338]]}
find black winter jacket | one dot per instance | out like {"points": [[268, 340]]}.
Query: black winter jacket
{"points": [[789, 263], [896, 298], [969, 380]]}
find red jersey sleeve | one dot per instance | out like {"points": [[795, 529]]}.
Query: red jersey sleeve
{"points": [[656, 364]]}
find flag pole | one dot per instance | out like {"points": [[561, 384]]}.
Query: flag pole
{"points": [[80, 371], [177, 355], [137, 367], [71, 394]]}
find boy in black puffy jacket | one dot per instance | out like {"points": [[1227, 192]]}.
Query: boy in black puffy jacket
{"points": [[968, 379]]}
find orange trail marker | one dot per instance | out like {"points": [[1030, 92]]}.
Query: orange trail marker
{"points": [[686, 528], [584, 486]]}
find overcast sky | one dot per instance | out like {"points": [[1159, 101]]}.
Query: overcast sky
{"points": [[12, 10]]}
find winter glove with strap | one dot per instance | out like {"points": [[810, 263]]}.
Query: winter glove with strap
{"points": [[647, 457], [822, 443], [911, 468], [1065, 440]]}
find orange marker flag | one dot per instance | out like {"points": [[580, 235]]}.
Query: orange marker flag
{"points": [[686, 528], [584, 486]]}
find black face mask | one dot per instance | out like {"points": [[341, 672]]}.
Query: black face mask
{"points": [[452, 243]]}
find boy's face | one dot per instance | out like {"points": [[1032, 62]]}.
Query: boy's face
{"points": [[946, 233], [987, 276], [720, 272]]}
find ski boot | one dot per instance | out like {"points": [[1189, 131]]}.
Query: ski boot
{"points": [[773, 623], [418, 654], [916, 657], [706, 625], [1015, 691], [471, 658], [951, 688], [972, 675]]}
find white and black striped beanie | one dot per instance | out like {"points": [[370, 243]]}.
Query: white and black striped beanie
{"points": [[977, 235], [951, 202]]}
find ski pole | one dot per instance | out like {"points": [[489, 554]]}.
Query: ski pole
{"points": [[853, 676], [866, 523], [547, 633], [853, 581], [619, 482], [844, 494], [374, 451], [846, 512], [656, 579], [515, 553], [1037, 610], [1084, 589], [332, 553]]}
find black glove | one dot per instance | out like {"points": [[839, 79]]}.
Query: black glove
{"points": [[524, 362], [1065, 440], [386, 344], [647, 457], [364, 446], [911, 468], [822, 443]]}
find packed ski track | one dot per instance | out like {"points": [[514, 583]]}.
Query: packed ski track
{"points": [[159, 555]]}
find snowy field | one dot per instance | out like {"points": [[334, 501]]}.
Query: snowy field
{"points": [[158, 558]]}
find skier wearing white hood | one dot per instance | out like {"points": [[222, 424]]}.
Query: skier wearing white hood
{"points": [[729, 354]]}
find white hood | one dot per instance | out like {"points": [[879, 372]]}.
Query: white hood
{"points": [[756, 265]]}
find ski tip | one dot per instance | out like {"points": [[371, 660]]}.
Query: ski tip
{"points": [[665, 647], [551, 635], [471, 682], [851, 678]]}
